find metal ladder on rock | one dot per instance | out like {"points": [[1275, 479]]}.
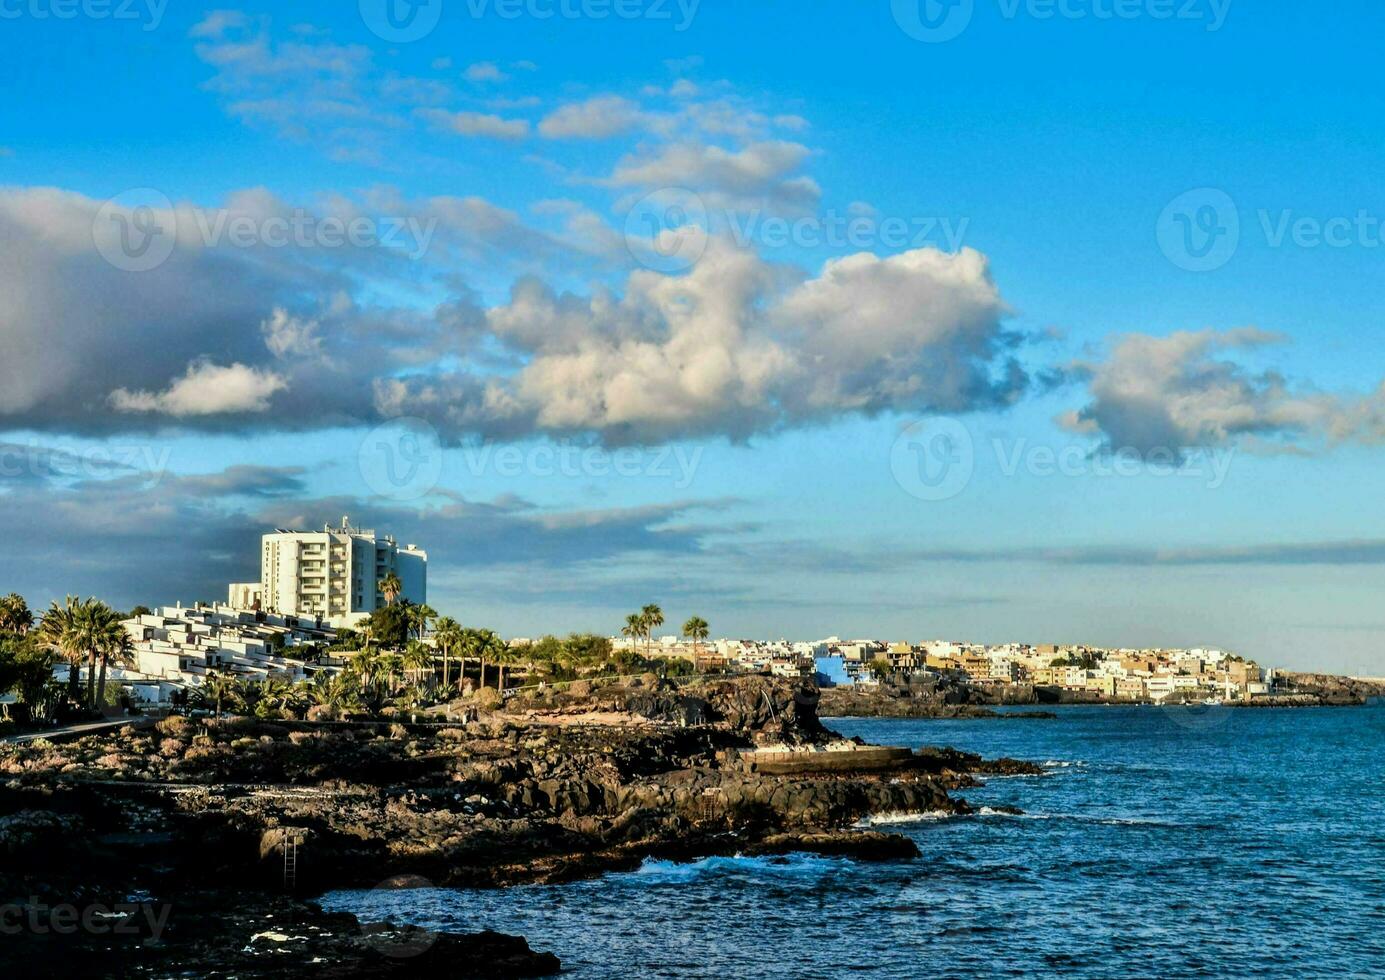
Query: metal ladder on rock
{"points": [[290, 862]]}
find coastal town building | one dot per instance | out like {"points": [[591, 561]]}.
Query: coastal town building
{"points": [[1086, 672], [335, 574], [175, 648]]}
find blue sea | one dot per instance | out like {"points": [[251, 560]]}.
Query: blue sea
{"points": [[1160, 842]]}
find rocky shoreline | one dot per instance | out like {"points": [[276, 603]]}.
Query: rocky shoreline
{"points": [[195, 817], [891, 702], [945, 699]]}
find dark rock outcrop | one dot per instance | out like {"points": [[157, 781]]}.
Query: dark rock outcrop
{"points": [[200, 814]]}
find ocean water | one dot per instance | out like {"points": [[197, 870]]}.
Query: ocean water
{"points": [[1188, 842]]}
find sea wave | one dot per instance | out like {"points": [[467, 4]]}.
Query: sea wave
{"points": [[894, 819], [660, 871], [987, 811]]}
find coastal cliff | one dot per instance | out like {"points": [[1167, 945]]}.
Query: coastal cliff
{"points": [[198, 814]]}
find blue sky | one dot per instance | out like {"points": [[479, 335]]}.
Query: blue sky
{"points": [[1113, 262]]}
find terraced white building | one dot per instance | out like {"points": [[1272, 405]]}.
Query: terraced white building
{"points": [[334, 573]]}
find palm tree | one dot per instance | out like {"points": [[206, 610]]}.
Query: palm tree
{"points": [[653, 618], [220, 689], [301, 697], [485, 645], [113, 644], [696, 629], [15, 616], [337, 691], [98, 629], [419, 618], [273, 693], [390, 587], [81, 630], [505, 656], [633, 628], [418, 660], [447, 633], [58, 631], [391, 665]]}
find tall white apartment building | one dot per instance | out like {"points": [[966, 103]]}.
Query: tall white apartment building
{"points": [[335, 573]]}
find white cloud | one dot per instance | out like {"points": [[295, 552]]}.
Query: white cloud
{"points": [[484, 71], [478, 124], [760, 175], [217, 23], [596, 118], [1167, 394], [733, 348], [206, 389], [289, 336]]}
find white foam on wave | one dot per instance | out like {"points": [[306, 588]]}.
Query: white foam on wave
{"points": [[987, 811], [657, 871], [902, 817]]}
